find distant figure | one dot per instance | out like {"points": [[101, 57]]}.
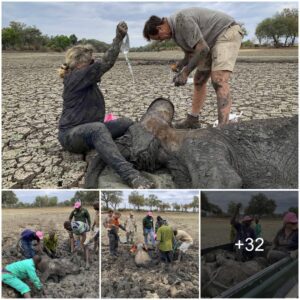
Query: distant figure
{"points": [[257, 229], [80, 214], [148, 226], [14, 274], [131, 228], [50, 243], [184, 240], [107, 221], [165, 241], [286, 240], [243, 231], [27, 237]]}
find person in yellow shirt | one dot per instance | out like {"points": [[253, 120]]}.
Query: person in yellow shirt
{"points": [[164, 240], [50, 243]]}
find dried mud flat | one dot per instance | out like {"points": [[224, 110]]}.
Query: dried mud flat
{"points": [[71, 279], [121, 278], [32, 103]]}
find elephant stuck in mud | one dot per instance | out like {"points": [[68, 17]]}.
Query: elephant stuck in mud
{"points": [[250, 154]]}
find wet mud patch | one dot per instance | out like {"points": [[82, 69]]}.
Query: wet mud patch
{"points": [[160, 280], [66, 277]]}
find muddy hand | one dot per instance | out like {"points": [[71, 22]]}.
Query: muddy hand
{"points": [[180, 79], [122, 29]]}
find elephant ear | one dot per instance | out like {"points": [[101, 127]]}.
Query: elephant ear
{"points": [[141, 146]]}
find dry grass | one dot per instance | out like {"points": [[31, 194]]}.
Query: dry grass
{"points": [[216, 231]]}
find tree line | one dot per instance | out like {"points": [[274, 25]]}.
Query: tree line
{"points": [[259, 205], [113, 199], [20, 37], [279, 30], [10, 200]]}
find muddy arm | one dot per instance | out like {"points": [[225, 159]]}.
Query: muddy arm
{"points": [[110, 56]]}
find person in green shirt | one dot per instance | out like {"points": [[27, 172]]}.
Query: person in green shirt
{"points": [[14, 274], [80, 214], [257, 227], [50, 243], [165, 240]]}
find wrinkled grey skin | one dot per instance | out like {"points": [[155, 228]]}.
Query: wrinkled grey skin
{"points": [[252, 154], [58, 268]]}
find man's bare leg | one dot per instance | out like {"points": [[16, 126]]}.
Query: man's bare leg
{"points": [[220, 83], [192, 120], [200, 90]]}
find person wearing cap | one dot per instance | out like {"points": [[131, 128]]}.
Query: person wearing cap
{"points": [[164, 241], [243, 232], [50, 243], [80, 214], [286, 240], [131, 228], [26, 241], [159, 219], [148, 228], [13, 274], [184, 239], [210, 41]]}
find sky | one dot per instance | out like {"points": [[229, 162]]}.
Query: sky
{"points": [[29, 196], [98, 20], [283, 199], [170, 196]]}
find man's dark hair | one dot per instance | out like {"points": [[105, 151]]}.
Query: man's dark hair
{"points": [[96, 205], [150, 27]]}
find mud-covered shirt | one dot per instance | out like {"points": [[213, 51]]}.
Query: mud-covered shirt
{"points": [[81, 215], [83, 102], [191, 25]]}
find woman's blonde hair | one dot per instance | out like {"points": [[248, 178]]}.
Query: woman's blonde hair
{"points": [[79, 54]]}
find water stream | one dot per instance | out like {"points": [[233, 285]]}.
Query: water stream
{"points": [[125, 49]]}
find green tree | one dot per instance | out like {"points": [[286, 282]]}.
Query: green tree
{"points": [[59, 42], [260, 205], [294, 209], [9, 199], [232, 207], [195, 204], [73, 39], [116, 199], [136, 199], [176, 206], [85, 197], [151, 201]]}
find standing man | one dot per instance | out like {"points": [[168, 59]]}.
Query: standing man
{"points": [[80, 214], [210, 41], [165, 240], [148, 228], [131, 228]]}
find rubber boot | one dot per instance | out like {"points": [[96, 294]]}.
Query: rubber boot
{"points": [[190, 122]]}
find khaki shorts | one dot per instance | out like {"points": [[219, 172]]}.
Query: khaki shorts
{"points": [[225, 51]]}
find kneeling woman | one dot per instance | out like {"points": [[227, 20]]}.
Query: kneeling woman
{"points": [[81, 126]]}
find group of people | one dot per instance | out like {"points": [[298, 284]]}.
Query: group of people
{"points": [[284, 244], [210, 41], [34, 245], [167, 239]]}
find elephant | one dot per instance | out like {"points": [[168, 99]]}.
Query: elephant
{"points": [[259, 154]]}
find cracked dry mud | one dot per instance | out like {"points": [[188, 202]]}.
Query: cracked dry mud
{"points": [[69, 278], [32, 103]]}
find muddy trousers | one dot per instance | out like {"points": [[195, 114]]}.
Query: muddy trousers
{"points": [[166, 256], [113, 241], [99, 136]]}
